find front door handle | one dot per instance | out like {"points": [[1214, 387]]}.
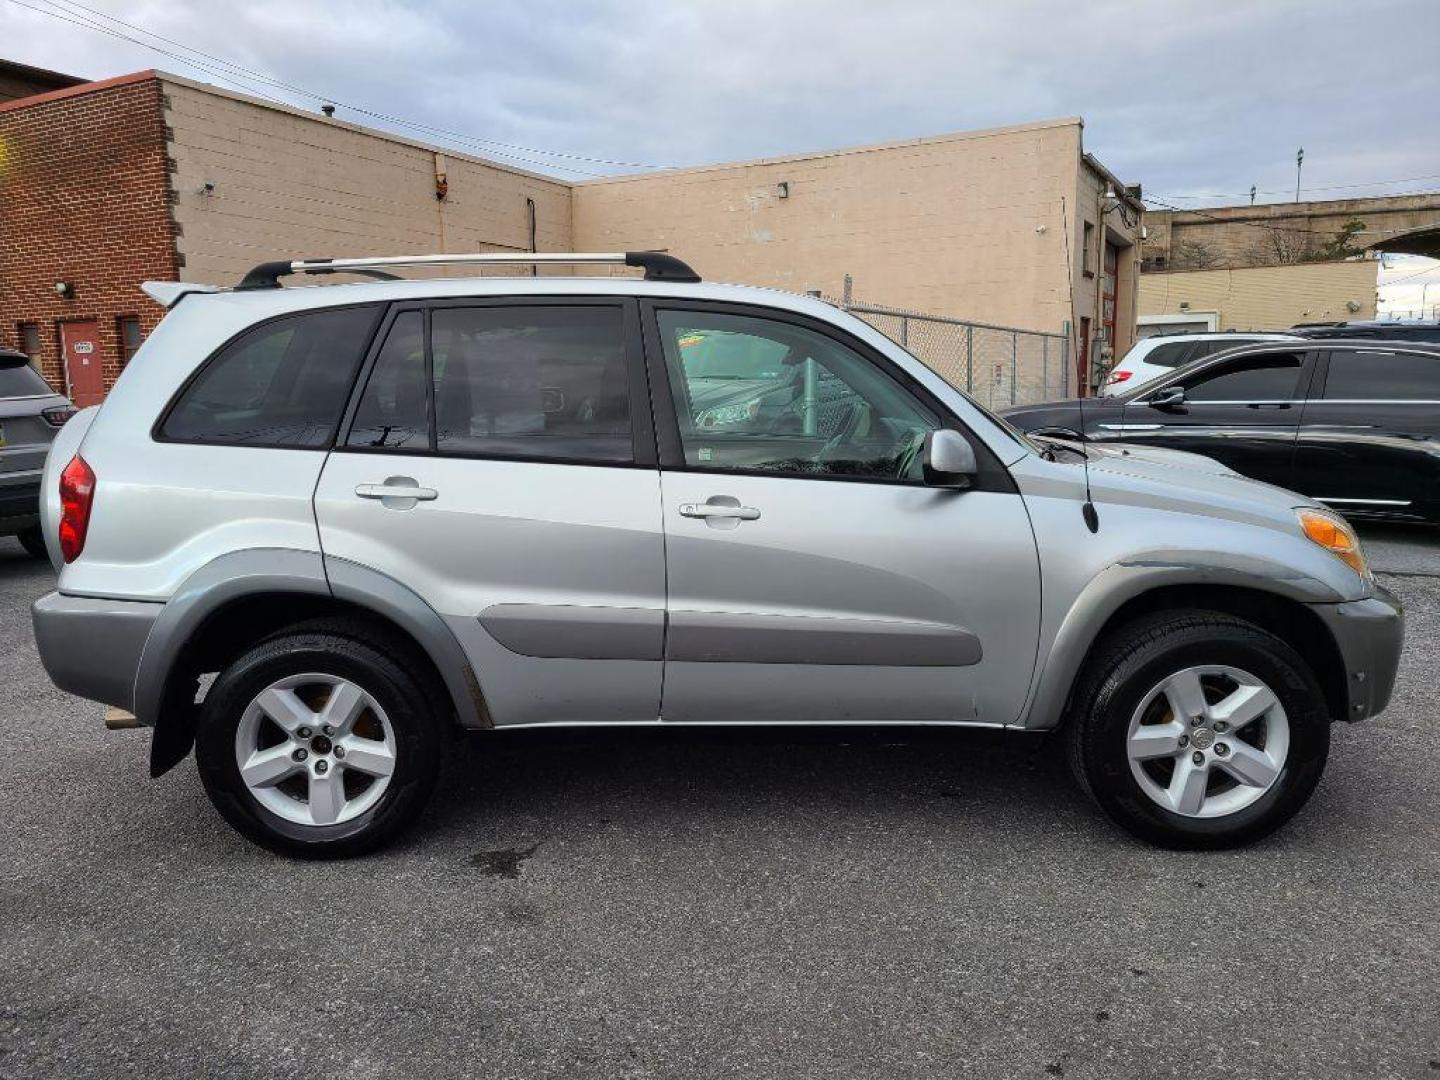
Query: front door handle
{"points": [[397, 492], [720, 512], [713, 510]]}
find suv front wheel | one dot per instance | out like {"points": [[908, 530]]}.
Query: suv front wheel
{"points": [[315, 743], [1199, 730]]}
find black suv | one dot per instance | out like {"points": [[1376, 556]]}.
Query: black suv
{"points": [[1354, 424], [1415, 330]]}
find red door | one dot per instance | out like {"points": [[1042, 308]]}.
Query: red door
{"points": [[80, 345], [1082, 361]]}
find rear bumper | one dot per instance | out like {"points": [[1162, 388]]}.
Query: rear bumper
{"points": [[91, 647], [1369, 634], [19, 499]]}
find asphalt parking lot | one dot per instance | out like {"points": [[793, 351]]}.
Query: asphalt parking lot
{"points": [[719, 905]]}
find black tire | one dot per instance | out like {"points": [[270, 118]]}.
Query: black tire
{"points": [[33, 541], [1128, 664], [387, 669]]}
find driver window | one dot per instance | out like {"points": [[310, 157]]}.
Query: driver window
{"points": [[762, 396], [1267, 377]]}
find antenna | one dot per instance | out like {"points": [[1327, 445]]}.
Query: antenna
{"points": [[1087, 511]]}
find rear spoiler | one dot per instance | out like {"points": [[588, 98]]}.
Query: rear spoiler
{"points": [[169, 293]]}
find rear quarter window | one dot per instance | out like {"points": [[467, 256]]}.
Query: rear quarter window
{"points": [[1171, 354], [283, 383]]}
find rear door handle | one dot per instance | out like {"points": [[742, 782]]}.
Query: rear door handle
{"points": [[1269, 405], [719, 510], [387, 491], [397, 492]]}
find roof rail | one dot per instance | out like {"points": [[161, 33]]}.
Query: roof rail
{"points": [[658, 265]]}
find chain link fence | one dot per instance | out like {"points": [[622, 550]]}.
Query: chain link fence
{"points": [[999, 366]]}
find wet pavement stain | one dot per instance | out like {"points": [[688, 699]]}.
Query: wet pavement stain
{"points": [[504, 863]]}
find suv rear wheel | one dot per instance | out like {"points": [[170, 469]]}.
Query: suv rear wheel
{"points": [[317, 744], [1199, 730], [33, 541]]}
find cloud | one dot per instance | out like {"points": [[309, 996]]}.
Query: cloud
{"points": [[1187, 97]]}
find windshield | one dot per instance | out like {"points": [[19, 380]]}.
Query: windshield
{"points": [[999, 421]]}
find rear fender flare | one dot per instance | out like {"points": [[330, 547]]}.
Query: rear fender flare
{"points": [[237, 575]]}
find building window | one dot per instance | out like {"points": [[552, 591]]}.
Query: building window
{"points": [[1087, 251], [30, 342], [129, 334]]}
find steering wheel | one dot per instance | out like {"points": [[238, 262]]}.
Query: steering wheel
{"points": [[907, 457], [855, 415]]}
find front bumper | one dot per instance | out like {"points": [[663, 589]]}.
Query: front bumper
{"points": [[1369, 634], [91, 647]]}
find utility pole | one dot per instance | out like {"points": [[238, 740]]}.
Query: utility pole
{"points": [[1299, 161], [1252, 194]]}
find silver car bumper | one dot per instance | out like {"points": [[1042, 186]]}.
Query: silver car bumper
{"points": [[1369, 634], [91, 647]]}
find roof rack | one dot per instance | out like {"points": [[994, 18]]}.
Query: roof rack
{"points": [[658, 265]]}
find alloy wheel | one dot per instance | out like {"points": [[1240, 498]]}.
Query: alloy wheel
{"points": [[1208, 741], [315, 749]]}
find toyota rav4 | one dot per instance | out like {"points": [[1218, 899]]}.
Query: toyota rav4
{"points": [[313, 530]]}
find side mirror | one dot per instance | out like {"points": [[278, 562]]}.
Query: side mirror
{"points": [[1171, 397], [948, 460]]}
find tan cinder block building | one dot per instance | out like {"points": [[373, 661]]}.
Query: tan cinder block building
{"points": [[1259, 297], [1010, 226], [1007, 226]]}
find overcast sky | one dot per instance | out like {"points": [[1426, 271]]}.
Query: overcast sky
{"points": [[1188, 98]]}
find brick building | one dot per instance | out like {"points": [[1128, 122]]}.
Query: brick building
{"points": [[22, 80], [151, 176]]}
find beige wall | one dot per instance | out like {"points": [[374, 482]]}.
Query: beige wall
{"points": [[290, 183], [966, 225], [1266, 297]]}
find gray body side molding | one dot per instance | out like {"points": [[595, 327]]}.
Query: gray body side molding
{"points": [[575, 632], [726, 637], [1115, 585]]}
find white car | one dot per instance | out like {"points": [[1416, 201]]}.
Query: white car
{"points": [[1151, 357]]}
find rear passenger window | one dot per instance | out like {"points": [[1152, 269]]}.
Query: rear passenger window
{"points": [[1383, 376], [393, 411], [535, 381], [282, 384]]}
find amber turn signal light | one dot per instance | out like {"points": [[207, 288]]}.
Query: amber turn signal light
{"points": [[1335, 536]]}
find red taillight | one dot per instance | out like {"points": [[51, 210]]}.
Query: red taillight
{"points": [[1119, 376], [77, 493], [57, 416]]}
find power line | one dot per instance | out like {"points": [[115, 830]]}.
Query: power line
{"points": [[238, 76], [304, 92]]}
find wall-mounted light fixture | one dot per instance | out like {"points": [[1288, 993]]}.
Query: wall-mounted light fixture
{"points": [[65, 290], [782, 189], [328, 109]]}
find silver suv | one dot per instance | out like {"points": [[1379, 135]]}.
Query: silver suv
{"points": [[313, 530]]}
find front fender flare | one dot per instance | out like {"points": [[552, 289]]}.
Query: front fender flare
{"points": [[1119, 583]]}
